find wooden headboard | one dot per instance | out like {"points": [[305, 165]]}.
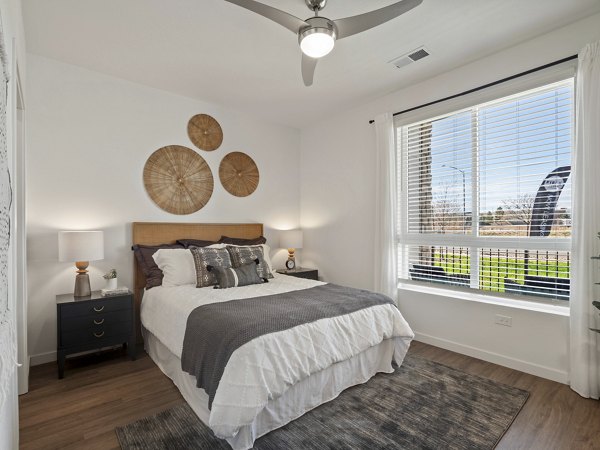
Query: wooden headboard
{"points": [[154, 233]]}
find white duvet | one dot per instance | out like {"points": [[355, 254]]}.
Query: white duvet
{"points": [[265, 367]]}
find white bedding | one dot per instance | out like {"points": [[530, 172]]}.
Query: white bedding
{"points": [[165, 310], [264, 368]]}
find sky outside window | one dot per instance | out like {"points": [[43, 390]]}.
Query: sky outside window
{"points": [[520, 141]]}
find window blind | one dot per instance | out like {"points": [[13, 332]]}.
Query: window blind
{"points": [[468, 187]]}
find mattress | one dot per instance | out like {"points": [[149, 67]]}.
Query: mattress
{"points": [[299, 378]]}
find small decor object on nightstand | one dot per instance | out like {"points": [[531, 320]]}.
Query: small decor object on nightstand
{"points": [[111, 280], [291, 239], [81, 247], [113, 292]]}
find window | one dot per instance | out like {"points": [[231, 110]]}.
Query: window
{"points": [[485, 195]]}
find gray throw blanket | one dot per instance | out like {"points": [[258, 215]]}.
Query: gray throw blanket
{"points": [[214, 331]]}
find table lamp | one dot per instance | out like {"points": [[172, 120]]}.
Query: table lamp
{"points": [[81, 247], [291, 239]]}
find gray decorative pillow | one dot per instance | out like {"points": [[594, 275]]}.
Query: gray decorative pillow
{"points": [[204, 256], [240, 276], [245, 255]]}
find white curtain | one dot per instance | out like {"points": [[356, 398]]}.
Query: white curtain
{"points": [[585, 349], [386, 273]]}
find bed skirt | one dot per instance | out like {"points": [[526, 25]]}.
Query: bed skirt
{"points": [[305, 395]]}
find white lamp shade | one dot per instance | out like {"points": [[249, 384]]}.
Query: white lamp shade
{"points": [[80, 246], [291, 239]]}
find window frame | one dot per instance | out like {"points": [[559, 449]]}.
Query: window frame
{"points": [[473, 242]]}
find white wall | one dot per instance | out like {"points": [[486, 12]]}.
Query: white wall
{"points": [[337, 198], [89, 136], [14, 41]]}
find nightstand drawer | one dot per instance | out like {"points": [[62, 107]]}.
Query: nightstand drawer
{"points": [[95, 307], [95, 334], [96, 320]]}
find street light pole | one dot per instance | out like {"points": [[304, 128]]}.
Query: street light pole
{"points": [[464, 196]]}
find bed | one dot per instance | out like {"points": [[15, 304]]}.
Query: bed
{"points": [[275, 378]]}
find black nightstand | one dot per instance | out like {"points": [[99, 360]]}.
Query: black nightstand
{"points": [[91, 323], [301, 272]]}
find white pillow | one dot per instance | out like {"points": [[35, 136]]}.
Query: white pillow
{"points": [[267, 253], [177, 265]]}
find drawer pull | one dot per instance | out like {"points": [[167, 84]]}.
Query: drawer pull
{"points": [[98, 322], [99, 335], [99, 309]]}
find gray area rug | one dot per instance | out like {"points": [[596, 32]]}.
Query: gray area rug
{"points": [[422, 405]]}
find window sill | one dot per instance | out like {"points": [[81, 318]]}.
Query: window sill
{"points": [[548, 308]]}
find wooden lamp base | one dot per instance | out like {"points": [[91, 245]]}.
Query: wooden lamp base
{"points": [[82, 280]]}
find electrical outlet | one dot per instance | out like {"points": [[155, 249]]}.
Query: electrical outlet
{"points": [[505, 321]]}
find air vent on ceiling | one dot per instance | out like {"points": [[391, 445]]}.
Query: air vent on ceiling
{"points": [[410, 57]]}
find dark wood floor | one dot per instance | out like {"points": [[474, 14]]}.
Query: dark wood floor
{"points": [[82, 410]]}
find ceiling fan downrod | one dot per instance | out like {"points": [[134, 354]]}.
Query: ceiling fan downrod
{"points": [[316, 5]]}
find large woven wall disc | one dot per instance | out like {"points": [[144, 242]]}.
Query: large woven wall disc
{"points": [[205, 132], [178, 179], [239, 174]]}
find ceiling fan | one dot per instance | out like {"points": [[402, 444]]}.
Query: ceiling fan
{"points": [[317, 35]]}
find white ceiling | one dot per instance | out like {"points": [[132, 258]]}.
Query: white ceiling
{"points": [[218, 52]]}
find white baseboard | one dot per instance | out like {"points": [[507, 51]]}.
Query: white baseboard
{"points": [[502, 360], [42, 358]]}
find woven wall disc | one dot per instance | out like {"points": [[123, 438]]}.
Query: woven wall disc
{"points": [[205, 132], [239, 174], [178, 179]]}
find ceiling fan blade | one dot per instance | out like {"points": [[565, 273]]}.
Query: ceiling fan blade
{"points": [[308, 69], [290, 22], [357, 24]]}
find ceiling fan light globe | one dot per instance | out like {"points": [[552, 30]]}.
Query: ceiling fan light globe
{"points": [[318, 43]]}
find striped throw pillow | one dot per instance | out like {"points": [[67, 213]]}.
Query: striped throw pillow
{"points": [[247, 254], [206, 256]]}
